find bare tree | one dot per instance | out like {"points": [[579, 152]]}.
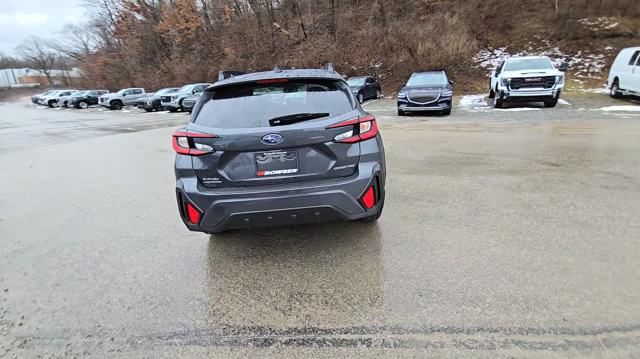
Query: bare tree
{"points": [[39, 55], [8, 62], [76, 42]]}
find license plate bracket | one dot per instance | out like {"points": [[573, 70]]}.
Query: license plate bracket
{"points": [[276, 163]]}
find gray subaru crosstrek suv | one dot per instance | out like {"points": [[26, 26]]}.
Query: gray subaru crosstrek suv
{"points": [[278, 148]]}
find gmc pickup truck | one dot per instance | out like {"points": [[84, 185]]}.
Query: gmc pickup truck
{"points": [[527, 79], [124, 97]]}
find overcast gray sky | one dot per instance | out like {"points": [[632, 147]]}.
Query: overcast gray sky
{"points": [[20, 19]]}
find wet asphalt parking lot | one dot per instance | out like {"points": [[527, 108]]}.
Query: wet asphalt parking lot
{"points": [[506, 233]]}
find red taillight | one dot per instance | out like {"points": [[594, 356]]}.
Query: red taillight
{"points": [[184, 144], [369, 198], [272, 81], [363, 128], [193, 214]]}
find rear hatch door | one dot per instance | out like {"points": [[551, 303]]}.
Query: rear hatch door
{"points": [[253, 147]]}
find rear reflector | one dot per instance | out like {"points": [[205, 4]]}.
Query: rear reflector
{"points": [[193, 214], [369, 198]]}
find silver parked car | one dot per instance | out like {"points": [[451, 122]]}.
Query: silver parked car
{"points": [[124, 97], [173, 102]]}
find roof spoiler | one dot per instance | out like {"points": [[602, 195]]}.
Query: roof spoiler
{"points": [[223, 75]]}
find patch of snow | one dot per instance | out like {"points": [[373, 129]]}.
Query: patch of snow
{"points": [[564, 102], [474, 103], [581, 64], [599, 23], [602, 90], [519, 109], [629, 108], [126, 111]]}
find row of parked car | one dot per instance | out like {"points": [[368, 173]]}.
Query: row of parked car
{"points": [[516, 79], [173, 99]]}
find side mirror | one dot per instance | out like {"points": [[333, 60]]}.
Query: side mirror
{"points": [[564, 67], [124, 94], [451, 82]]}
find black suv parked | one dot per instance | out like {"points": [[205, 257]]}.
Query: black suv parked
{"points": [[430, 91], [86, 98], [283, 147], [365, 88]]}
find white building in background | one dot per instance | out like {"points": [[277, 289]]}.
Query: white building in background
{"points": [[26, 77]]}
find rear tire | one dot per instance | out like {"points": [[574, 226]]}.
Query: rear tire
{"points": [[83, 105], [53, 103], [376, 216], [446, 112], [401, 113], [551, 103], [148, 109], [171, 109], [116, 105], [615, 89], [378, 94]]}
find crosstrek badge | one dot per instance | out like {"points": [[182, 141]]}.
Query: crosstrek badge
{"points": [[277, 172]]}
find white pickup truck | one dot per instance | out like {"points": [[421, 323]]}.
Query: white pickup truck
{"points": [[527, 79]]}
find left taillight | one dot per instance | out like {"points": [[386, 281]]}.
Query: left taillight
{"points": [[186, 143], [360, 129]]}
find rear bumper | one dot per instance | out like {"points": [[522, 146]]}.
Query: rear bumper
{"points": [[281, 205]]}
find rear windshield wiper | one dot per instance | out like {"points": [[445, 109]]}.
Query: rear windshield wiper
{"points": [[295, 118]]}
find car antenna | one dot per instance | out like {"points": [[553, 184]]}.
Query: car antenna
{"points": [[277, 69], [330, 67]]}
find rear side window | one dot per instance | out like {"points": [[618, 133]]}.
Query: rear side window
{"points": [[634, 58], [253, 104]]}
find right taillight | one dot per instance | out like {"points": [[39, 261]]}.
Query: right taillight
{"points": [[184, 143], [360, 129]]}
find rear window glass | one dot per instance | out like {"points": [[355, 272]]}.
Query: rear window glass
{"points": [[253, 105]]}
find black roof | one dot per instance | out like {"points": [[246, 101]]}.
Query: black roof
{"points": [[282, 74]]}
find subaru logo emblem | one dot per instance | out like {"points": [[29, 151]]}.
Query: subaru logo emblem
{"points": [[272, 139]]}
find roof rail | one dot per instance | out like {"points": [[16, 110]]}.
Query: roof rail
{"points": [[330, 68]]}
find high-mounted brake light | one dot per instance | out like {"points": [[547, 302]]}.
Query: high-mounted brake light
{"points": [[272, 81], [183, 143], [362, 129]]}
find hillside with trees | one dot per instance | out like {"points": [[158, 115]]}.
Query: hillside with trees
{"points": [[155, 43]]}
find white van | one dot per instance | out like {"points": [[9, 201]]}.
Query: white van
{"points": [[624, 77]]}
